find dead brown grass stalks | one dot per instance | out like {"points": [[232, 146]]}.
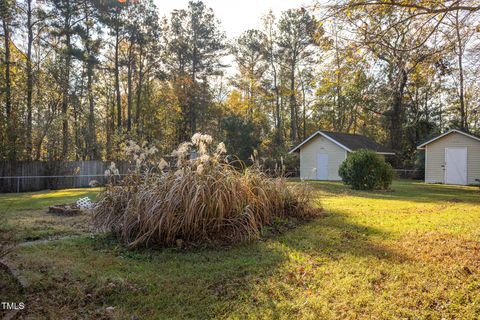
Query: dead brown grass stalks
{"points": [[204, 200]]}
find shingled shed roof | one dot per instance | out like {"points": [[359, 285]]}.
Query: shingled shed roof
{"points": [[349, 142], [422, 146]]}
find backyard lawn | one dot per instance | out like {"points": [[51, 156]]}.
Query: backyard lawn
{"points": [[410, 253]]}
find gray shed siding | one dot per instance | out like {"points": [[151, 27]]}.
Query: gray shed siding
{"points": [[435, 157]]}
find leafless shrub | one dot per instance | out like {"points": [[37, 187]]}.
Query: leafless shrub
{"points": [[203, 199]]}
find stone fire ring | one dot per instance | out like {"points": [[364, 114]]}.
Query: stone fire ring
{"points": [[65, 209]]}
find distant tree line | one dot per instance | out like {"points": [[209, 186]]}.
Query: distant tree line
{"points": [[78, 77]]}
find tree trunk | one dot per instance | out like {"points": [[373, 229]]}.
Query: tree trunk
{"points": [[8, 83], [92, 135], [463, 120], [204, 106], [110, 122], [75, 109], [66, 84], [8, 94], [138, 110], [29, 80], [293, 107], [397, 114], [192, 95], [304, 109], [338, 91], [277, 102], [117, 67], [129, 88]]}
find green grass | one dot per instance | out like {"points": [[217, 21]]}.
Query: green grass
{"points": [[411, 253], [40, 200], [27, 218], [9, 290]]}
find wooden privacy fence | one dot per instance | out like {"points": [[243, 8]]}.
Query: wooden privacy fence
{"points": [[38, 175]]}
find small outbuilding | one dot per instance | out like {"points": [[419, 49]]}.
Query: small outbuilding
{"points": [[452, 158], [323, 152]]}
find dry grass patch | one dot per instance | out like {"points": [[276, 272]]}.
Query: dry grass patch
{"points": [[204, 200], [442, 248]]}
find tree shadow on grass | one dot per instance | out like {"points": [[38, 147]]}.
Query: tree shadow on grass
{"points": [[410, 191], [334, 236], [235, 273], [331, 238], [201, 283]]}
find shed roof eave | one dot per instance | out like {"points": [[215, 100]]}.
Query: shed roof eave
{"points": [[422, 146], [323, 135], [297, 148]]}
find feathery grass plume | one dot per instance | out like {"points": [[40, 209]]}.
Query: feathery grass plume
{"points": [[204, 199]]}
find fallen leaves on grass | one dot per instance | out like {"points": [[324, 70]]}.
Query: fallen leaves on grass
{"points": [[449, 250]]}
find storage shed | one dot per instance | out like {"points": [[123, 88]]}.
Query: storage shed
{"points": [[323, 152], [452, 158]]}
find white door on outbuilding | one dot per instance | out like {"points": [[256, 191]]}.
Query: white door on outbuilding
{"points": [[322, 166], [456, 166]]}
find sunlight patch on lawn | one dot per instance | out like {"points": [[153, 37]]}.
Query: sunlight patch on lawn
{"points": [[43, 199], [65, 193]]}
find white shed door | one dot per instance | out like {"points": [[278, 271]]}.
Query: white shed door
{"points": [[322, 166], [456, 166]]}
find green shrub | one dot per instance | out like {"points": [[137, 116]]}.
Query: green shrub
{"points": [[366, 170], [199, 200]]}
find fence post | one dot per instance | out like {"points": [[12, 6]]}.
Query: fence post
{"points": [[18, 184]]}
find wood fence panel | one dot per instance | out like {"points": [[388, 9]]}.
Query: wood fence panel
{"points": [[38, 175]]}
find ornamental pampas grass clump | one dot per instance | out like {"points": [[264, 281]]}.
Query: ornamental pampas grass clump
{"points": [[202, 200]]}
